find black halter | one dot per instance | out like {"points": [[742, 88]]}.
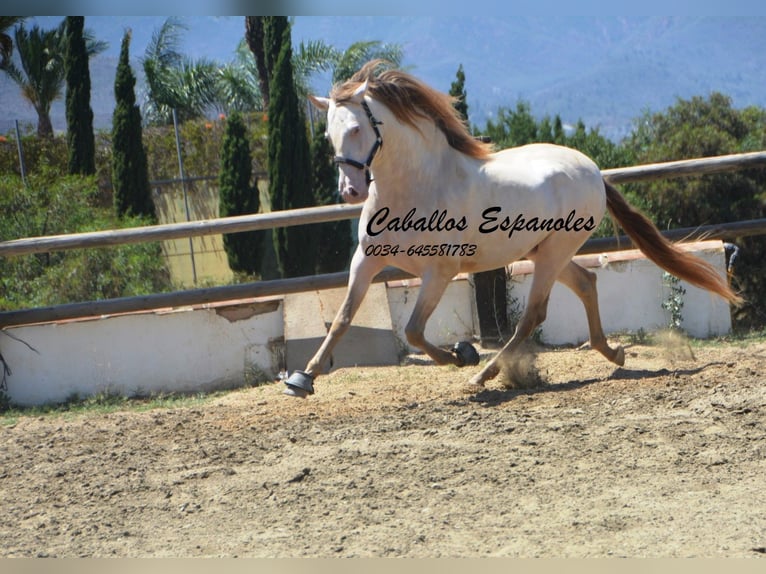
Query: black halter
{"points": [[375, 147]]}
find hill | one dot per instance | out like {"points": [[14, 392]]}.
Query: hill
{"points": [[603, 70]]}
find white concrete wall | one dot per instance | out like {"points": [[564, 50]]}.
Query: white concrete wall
{"points": [[630, 292], [369, 340], [235, 343], [136, 354]]}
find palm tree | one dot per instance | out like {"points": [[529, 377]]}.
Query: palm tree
{"points": [[238, 83], [41, 77], [6, 42], [42, 74], [175, 81], [254, 36], [358, 53], [314, 57], [317, 57]]}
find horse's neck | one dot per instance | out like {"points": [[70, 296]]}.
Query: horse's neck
{"points": [[412, 164]]}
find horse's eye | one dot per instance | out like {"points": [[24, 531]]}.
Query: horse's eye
{"points": [[355, 130]]}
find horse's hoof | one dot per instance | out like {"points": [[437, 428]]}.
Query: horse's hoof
{"points": [[619, 357], [299, 384], [466, 354], [476, 382], [295, 392]]}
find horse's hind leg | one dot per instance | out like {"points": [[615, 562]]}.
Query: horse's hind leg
{"points": [[431, 290], [545, 275], [583, 283]]}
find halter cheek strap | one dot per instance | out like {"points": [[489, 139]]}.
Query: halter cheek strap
{"points": [[338, 159]]}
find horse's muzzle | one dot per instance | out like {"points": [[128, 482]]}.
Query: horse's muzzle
{"points": [[351, 195]]}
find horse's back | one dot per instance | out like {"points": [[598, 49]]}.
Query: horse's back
{"points": [[548, 173], [544, 160]]}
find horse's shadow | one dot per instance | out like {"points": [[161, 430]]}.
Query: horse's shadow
{"points": [[494, 397]]}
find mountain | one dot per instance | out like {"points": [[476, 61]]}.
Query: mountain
{"points": [[605, 71]]}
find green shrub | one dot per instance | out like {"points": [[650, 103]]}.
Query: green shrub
{"points": [[53, 205]]}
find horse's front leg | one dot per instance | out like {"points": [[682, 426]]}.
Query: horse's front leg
{"points": [[431, 290], [363, 270]]}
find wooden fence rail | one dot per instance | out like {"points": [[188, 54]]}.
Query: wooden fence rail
{"points": [[181, 230], [333, 212], [323, 214]]}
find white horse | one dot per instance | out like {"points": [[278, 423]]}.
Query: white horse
{"points": [[437, 202]]}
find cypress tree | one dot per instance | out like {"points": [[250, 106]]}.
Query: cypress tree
{"points": [[79, 115], [289, 161], [238, 196], [559, 136], [334, 238], [457, 90], [130, 174], [274, 29]]}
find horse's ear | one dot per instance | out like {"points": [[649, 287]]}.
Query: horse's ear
{"points": [[319, 102], [358, 95]]}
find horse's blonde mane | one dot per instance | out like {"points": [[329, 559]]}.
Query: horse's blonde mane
{"points": [[408, 98]]}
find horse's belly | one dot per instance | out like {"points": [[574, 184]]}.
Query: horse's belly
{"points": [[500, 250]]}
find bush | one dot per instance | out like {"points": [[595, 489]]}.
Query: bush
{"points": [[201, 142], [53, 205]]}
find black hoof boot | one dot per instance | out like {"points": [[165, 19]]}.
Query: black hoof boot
{"points": [[466, 354], [299, 384]]}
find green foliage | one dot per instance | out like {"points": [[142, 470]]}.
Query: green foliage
{"points": [[79, 115], [358, 53], [6, 42], [457, 90], [42, 73], [94, 274], [674, 302], [274, 30], [201, 142], [239, 197], [516, 127], [701, 127], [53, 204], [238, 85], [289, 162], [41, 76], [513, 127], [130, 175], [316, 56], [333, 239], [175, 81], [39, 153]]}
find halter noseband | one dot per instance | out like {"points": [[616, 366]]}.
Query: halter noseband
{"points": [[375, 147]]}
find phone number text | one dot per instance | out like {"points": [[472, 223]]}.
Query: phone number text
{"points": [[422, 250]]}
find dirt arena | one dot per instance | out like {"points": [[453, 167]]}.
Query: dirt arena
{"points": [[665, 457]]}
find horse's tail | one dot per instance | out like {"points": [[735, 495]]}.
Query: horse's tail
{"points": [[664, 253]]}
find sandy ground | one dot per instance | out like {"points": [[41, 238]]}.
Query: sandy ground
{"points": [[665, 457]]}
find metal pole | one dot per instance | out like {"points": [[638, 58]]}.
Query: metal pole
{"points": [[310, 110], [186, 197], [21, 155]]}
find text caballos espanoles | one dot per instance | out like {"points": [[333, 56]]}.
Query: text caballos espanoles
{"points": [[491, 222]]}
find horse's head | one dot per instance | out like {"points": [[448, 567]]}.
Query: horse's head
{"points": [[353, 132]]}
